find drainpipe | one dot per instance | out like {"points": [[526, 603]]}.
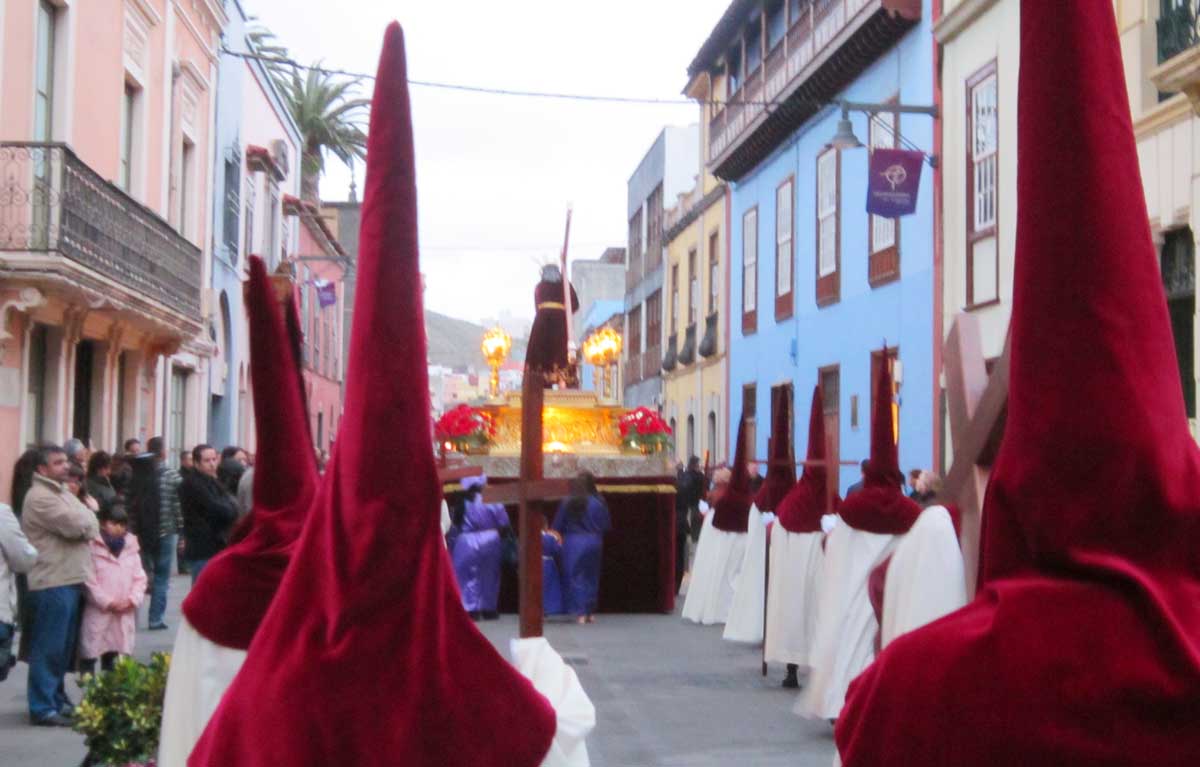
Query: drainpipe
{"points": [[938, 247]]}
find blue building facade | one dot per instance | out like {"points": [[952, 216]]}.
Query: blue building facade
{"points": [[248, 194], [818, 287]]}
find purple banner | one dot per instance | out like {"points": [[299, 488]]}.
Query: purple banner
{"points": [[326, 293], [895, 178]]}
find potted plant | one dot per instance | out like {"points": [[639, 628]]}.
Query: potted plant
{"points": [[645, 430], [121, 712], [465, 429]]}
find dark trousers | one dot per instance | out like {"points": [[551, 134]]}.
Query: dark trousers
{"points": [[158, 567], [55, 629]]}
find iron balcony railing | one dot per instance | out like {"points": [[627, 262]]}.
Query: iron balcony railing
{"points": [[1177, 27], [51, 201]]}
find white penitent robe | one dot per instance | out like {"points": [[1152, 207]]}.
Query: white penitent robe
{"points": [[201, 671], [846, 624], [719, 558], [575, 715], [792, 596], [925, 579], [745, 623]]}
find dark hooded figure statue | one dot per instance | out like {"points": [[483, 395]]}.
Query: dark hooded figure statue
{"points": [[547, 349]]}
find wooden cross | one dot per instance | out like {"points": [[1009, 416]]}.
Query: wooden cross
{"points": [[529, 493], [977, 406]]}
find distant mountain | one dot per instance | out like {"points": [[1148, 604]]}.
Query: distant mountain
{"points": [[454, 343]]}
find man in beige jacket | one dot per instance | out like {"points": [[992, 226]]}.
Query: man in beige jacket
{"points": [[59, 526]]}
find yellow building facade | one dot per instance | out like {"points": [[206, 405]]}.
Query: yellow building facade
{"points": [[695, 377]]}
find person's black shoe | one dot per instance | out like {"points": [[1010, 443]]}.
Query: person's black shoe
{"points": [[791, 681], [158, 627], [53, 720], [491, 615], [68, 710], [475, 615]]}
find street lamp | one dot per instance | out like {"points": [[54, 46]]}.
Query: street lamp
{"points": [[844, 138], [495, 346], [602, 349]]}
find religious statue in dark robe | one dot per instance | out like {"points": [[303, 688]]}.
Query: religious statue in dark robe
{"points": [[547, 349]]}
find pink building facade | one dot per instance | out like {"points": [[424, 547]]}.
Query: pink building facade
{"points": [[320, 261], [106, 120]]}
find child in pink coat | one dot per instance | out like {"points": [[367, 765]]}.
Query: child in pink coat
{"points": [[114, 591]]}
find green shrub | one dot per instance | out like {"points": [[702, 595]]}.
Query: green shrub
{"points": [[121, 711]]}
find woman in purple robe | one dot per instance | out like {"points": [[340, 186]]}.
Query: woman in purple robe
{"points": [[552, 587], [477, 551], [582, 520]]}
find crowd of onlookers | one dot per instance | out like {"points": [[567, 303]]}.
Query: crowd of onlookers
{"points": [[88, 536]]}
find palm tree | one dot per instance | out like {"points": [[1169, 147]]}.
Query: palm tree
{"points": [[325, 107]]}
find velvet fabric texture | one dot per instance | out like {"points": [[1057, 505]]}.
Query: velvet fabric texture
{"points": [[801, 509], [367, 621], [1082, 645], [781, 470], [880, 506], [227, 605], [547, 347], [732, 510]]}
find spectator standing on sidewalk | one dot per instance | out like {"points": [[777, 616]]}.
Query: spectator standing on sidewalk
{"points": [[209, 511], [158, 518], [17, 555], [99, 479], [59, 526], [114, 591]]}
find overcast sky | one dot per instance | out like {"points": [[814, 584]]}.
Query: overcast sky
{"points": [[496, 173]]}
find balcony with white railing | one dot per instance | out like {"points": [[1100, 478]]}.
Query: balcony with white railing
{"points": [[826, 46]]}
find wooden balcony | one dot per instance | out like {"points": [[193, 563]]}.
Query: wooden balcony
{"points": [[62, 223], [828, 45]]}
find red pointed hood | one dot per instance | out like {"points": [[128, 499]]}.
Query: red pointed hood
{"points": [[732, 511], [804, 505], [1084, 635], [228, 604], [781, 468], [370, 615], [880, 506], [1097, 457]]}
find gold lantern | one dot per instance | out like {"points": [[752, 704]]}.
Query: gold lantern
{"points": [[602, 350], [495, 347]]}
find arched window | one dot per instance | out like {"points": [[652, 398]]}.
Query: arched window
{"points": [[712, 435], [691, 435]]}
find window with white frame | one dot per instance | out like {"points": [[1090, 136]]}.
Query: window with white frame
{"points": [[248, 243], [982, 272], [749, 262], [784, 213], [129, 131], [827, 213], [272, 238], [43, 102]]}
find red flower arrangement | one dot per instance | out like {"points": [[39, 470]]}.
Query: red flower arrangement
{"points": [[465, 427], [644, 429]]}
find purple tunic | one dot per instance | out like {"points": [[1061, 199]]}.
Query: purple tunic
{"points": [[477, 553], [583, 541]]}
